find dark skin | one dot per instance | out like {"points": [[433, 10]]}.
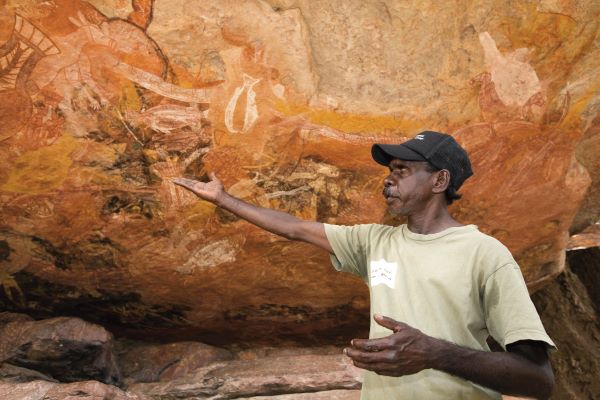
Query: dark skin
{"points": [[523, 370], [410, 190]]}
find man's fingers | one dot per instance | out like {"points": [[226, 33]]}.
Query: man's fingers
{"points": [[185, 182], [370, 344], [182, 181], [370, 356], [388, 322], [213, 176], [379, 368]]}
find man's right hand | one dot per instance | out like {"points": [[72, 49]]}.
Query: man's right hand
{"points": [[211, 191]]}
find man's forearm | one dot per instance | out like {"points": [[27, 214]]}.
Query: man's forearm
{"points": [[506, 372], [277, 222], [273, 221]]}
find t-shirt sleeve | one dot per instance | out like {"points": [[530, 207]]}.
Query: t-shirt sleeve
{"points": [[349, 244], [509, 312]]}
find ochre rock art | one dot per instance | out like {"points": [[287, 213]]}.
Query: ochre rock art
{"points": [[20, 53], [103, 102], [515, 80], [251, 113]]}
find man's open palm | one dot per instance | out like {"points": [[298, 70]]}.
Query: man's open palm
{"points": [[211, 190]]}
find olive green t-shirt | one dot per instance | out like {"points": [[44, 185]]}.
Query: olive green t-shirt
{"points": [[459, 285]]}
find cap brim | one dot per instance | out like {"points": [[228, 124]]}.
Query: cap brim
{"points": [[384, 153]]}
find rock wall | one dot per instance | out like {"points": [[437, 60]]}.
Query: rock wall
{"points": [[570, 311], [102, 102]]}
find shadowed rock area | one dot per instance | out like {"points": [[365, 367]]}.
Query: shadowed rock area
{"points": [[66, 349], [60, 350], [570, 310]]}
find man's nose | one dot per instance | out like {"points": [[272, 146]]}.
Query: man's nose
{"points": [[387, 181]]}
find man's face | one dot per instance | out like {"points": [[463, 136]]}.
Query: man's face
{"points": [[408, 187]]}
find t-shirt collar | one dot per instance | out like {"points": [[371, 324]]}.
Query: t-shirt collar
{"points": [[432, 236]]}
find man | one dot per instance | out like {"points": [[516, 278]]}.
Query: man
{"points": [[438, 288]]}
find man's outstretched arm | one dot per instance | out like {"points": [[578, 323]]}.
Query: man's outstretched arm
{"points": [[277, 222], [524, 370]]}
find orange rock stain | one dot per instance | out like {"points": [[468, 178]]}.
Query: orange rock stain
{"points": [[350, 122], [42, 170]]}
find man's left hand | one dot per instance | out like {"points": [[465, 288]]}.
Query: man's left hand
{"points": [[404, 352]]}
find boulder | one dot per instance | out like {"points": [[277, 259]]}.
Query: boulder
{"points": [[267, 376], [154, 362], [87, 390], [262, 352], [570, 311], [66, 349], [6, 317], [13, 374], [586, 239], [326, 395]]}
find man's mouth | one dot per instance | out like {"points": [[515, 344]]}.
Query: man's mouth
{"points": [[388, 194]]}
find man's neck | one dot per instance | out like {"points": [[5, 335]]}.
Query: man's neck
{"points": [[432, 220]]}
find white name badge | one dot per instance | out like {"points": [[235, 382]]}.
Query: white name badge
{"points": [[383, 273]]}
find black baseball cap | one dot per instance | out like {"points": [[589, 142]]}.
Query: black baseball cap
{"points": [[439, 149]]}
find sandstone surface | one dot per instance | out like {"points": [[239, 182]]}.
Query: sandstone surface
{"points": [[266, 376], [87, 390], [570, 311], [66, 349], [13, 374], [327, 395], [151, 363], [103, 102]]}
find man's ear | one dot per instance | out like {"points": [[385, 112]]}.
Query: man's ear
{"points": [[441, 181]]}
